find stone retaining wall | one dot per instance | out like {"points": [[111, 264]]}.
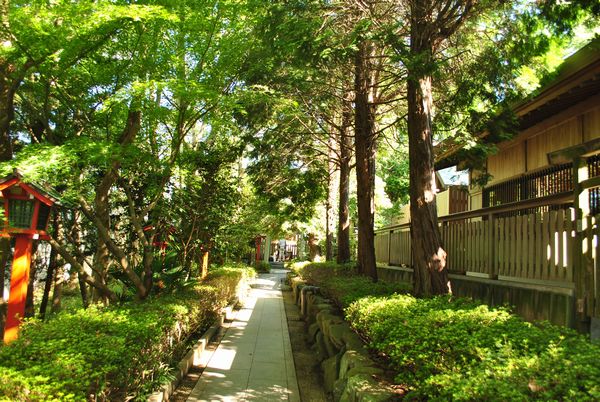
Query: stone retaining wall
{"points": [[348, 371]]}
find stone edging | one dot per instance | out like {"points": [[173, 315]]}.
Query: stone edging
{"points": [[348, 371], [192, 357]]}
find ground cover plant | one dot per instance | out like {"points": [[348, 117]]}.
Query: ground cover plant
{"points": [[116, 353], [448, 348]]}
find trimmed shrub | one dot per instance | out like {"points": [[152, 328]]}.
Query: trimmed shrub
{"points": [[262, 267], [342, 283], [457, 349], [116, 353]]}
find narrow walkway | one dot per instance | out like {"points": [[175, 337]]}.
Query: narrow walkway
{"points": [[254, 360]]}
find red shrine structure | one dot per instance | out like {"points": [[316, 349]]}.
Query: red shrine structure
{"points": [[27, 208]]}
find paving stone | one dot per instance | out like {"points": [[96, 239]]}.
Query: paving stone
{"points": [[254, 360]]}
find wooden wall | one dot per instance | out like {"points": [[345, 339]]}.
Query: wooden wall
{"points": [[529, 150]]}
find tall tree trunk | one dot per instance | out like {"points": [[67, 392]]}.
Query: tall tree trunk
{"points": [[59, 279], [203, 271], [102, 205], [329, 206], [76, 238], [364, 142], [345, 147], [83, 291], [429, 256], [49, 279], [33, 268], [6, 112]]}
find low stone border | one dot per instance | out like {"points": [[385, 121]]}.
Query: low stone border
{"points": [[192, 357], [348, 370]]}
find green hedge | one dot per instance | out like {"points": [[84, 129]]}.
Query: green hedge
{"points": [[456, 349], [342, 282], [116, 353], [447, 348]]}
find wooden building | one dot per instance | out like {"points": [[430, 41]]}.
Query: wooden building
{"points": [[530, 235]]}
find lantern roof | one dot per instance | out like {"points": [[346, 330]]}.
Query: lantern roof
{"points": [[45, 194]]}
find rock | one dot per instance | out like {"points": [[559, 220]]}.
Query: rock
{"points": [[313, 329], [352, 359], [297, 286], [330, 347], [353, 341], [329, 317], [372, 371], [304, 293], [321, 348], [330, 368], [363, 388], [336, 334], [338, 388], [316, 309]]}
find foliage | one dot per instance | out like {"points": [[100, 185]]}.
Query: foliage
{"points": [[342, 282], [396, 176], [456, 349], [111, 353], [262, 267]]}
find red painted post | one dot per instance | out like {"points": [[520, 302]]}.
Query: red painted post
{"points": [[257, 242], [19, 280]]}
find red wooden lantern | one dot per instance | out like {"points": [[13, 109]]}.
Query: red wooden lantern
{"points": [[27, 208]]}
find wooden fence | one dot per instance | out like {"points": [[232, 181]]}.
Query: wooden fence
{"points": [[539, 248]]}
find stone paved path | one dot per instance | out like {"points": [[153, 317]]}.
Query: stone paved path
{"points": [[254, 360]]}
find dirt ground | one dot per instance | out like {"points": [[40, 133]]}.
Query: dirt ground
{"points": [[308, 371]]}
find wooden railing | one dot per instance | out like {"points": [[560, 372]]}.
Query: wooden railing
{"points": [[541, 248], [533, 248]]}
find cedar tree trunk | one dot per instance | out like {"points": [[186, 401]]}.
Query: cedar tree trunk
{"points": [[364, 142], [343, 235], [429, 256]]}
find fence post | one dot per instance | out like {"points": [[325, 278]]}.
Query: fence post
{"points": [[389, 256], [580, 265]]}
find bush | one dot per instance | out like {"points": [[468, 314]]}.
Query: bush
{"points": [[342, 283], [116, 353], [457, 349], [262, 267]]}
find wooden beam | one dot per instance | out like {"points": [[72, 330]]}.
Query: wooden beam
{"points": [[567, 155]]}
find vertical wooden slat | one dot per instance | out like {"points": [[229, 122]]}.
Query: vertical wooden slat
{"points": [[596, 312], [482, 246], [476, 247], [451, 245], [570, 229], [524, 246], [547, 252], [490, 257], [589, 264], [539, 246], [518, 251], [511, 242], [463, 245], [531, 245], [560, 228], [553, 245], [501, 246]]}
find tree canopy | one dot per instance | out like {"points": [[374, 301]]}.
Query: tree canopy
{"points": [[210, 123]]}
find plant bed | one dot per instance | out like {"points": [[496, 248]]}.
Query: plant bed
{"points": [[117, 353], [448, 348], [342, 283]]}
